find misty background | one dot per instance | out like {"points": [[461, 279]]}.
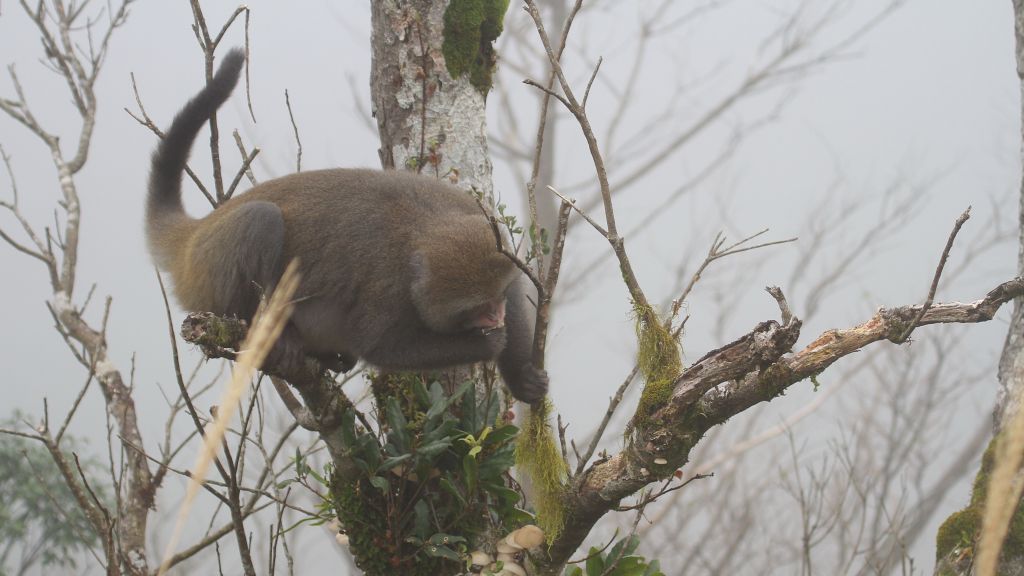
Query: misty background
{"points": [[907, 126]]}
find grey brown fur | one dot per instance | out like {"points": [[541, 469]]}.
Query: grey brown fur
{"points": [[399, 269]]}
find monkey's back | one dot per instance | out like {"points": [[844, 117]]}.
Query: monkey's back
{"points": [[354, 231]]}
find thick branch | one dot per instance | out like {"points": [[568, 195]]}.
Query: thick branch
{"points": [[753, 369], [220, 337]]}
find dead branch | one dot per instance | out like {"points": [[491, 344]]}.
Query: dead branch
{"points": [[324, 400], [754, 368]]}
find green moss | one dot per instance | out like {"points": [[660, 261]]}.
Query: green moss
{"points": [[395, 385], [537, 455], [470, 29], [961, 529], [958, 531], [376, 550], [660, 363], [363, 527], [220, 332]]}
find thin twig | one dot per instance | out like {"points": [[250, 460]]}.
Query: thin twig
{"points": [[295, 130], [543, 316], [613, 405], [572, 203], [147, 122], [245, 154], [243, 169], [586, 93], [531, 186], [935, 279]]}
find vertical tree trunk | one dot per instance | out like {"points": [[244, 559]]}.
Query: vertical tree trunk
{"points": [[1011, 364], [959, 533], [428, 120]]}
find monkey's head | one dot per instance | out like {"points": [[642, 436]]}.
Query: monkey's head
{"points": [[459, 277]]}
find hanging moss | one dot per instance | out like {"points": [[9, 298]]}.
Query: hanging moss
{"points": [[537, 455], [470, 29], [660, 361]]}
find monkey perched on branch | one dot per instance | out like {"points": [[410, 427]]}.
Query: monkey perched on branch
{"points": [[398, 269]]}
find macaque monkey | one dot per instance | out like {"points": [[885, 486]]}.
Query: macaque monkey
{"points": [[398, 269]]}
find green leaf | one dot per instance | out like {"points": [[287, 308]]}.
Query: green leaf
{"points": [[438, 403], [370, 450], [469, 421], [490, 407], [632, 544], [462, 389], [436, 392], [630, 566], [654, 569], [445, 430], [595, 563], [499, 462], [448, 486], [379, 483], [393, 461], [442, 539], [519, 517], [421, 519], [364, 467], [471, 469], [573, 571], [399, 434], [441, 552], [420, 392], [316, 476], [500, 435], [433, 449], [504, 494]]}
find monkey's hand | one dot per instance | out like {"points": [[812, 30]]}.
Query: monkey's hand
{"points": [[531, 385]]}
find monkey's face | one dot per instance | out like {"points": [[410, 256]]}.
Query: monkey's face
{"points": [[463, 313], [486, 318]]}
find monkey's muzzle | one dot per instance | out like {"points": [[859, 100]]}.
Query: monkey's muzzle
{"points": [[487, 331]]}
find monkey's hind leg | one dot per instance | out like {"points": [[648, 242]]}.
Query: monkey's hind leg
{"points": [[244, 258], [241, 256]]}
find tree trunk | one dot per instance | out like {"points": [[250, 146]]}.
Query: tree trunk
{"points": [[958, 535], [428, 120]]}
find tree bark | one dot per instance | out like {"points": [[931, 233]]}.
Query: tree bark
{"points": [[1011, 363], [959, 559], [428, 121]]}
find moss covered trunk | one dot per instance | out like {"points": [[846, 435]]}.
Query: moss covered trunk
{"points": [[431, 72]]}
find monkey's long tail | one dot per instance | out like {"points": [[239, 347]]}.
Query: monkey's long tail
{"points": [[172, 153]]}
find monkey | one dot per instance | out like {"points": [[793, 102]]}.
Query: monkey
{"points": [[398, 269]]}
